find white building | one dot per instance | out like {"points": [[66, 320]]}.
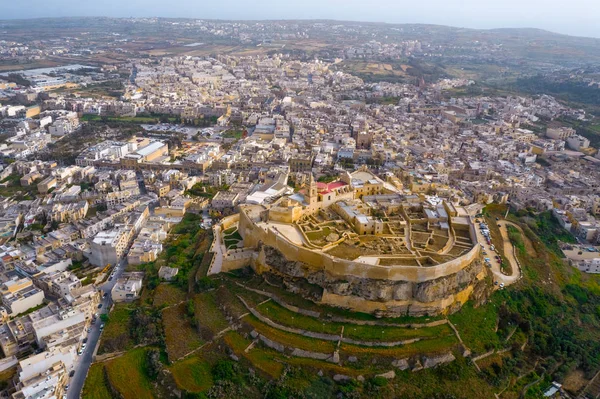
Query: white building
{"points": [[560, 133], [128, 287], [20, 295], [109, 246], [48, 322], [589, 265], [42, 376], [577, 142]]}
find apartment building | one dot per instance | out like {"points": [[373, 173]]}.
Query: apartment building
{"points": [[19, 295], [108, 247], [560, 133]]}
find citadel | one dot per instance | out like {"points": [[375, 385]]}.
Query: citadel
{"points": [[360, 243]]}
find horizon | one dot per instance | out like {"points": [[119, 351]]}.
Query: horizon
{"points": [[467, 15], [307, 20]]}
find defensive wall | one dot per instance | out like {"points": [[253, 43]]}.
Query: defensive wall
{"points": [[389, 290]]}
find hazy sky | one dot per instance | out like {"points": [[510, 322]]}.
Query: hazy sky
{"points": [[574, 17]]}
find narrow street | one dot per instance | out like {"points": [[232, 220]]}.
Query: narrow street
{"points": [[85, 360]]}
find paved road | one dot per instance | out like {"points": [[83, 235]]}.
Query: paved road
{"points": [[85, 360], [509, 253], [499, 276]]}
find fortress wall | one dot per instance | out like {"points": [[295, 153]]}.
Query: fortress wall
{"points": [[237, 259], [229, 221], [389, 290], [449, 243], [473, 234], [254, 234], [342, 267]]}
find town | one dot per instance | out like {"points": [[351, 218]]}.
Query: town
{"points": [[299, 169]]}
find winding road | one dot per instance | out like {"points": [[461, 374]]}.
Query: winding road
{"points": [[509, 254], [508, 250]]}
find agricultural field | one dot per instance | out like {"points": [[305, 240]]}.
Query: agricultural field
{"points": [[128, 375], [96, 383], [192, 374], [210, 321], [181, 337], [115, 336], [167, 294]]}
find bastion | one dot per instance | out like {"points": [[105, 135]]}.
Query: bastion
{"points": [[384, 253]]}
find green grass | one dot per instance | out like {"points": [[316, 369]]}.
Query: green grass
{"points": [[264, 360], [456, 380], [128, 375], [230, 230], [515, 238], [95, 383], [319, 234], [13, 188], [192, 374], [233, 134], [207, 312], [180, 337], [231, 244], [477, 327], [550, 232], [115, 336], [184, 249], [297, 300], [232, 237], [281, 315], [289, 339], [436, 345], [288, 318], [168, 294]]}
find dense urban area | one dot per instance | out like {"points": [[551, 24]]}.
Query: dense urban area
{"points": [[300, 209]]}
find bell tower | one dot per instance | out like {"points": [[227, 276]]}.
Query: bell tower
{"points": [[313, 193]]}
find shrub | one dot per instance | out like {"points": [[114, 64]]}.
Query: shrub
{"points": [[224, 370]]}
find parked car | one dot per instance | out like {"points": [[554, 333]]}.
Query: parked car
{"points": [[72, 373]]}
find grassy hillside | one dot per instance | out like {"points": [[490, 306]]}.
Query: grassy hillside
{"points": [[543, 328]]}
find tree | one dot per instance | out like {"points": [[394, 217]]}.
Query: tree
{"points": [[153, 363], [224, 370]]}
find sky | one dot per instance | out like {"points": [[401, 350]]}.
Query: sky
{"points": [[575, 17]]}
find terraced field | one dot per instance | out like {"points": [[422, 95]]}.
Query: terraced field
{"points": [[268, 330]]}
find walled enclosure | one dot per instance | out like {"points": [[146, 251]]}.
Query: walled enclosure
{"points": [[390, 290]]}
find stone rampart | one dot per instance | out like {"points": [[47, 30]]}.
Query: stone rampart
{"points": [[386, 290]]}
